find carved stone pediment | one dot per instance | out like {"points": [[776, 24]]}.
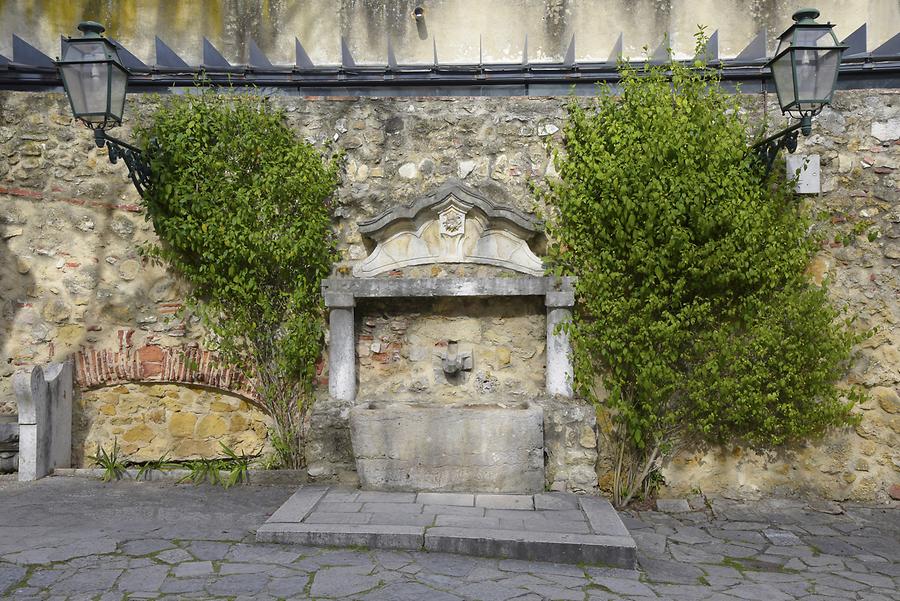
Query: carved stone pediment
{"points": [[454, 224]]}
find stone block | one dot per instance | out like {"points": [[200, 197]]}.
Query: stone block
{"points": [[602, 517], [446, 498], [418, 447], [556, 500], [518, 502], [461, 521], [182, 424], [673, 505], [373, 536], [617, 551], [299, 505]]}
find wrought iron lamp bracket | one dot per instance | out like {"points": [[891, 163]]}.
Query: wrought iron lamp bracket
{"points": [[769, 148], [138, 167]]}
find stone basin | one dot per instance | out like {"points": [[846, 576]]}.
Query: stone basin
{"points": [[473, 447]]}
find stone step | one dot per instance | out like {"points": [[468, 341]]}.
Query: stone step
{"points": [[554, 527]]}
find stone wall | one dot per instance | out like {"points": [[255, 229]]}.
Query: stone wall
{"points": [[149, 421], [72, 276]]}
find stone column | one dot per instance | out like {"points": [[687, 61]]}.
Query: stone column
{"points": [[341, 347], [559, 351]]}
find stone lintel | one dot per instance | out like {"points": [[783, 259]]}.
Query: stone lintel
{"points": [[338, 288]]}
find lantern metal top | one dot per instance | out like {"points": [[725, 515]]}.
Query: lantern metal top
{"points": [[91, 29], [806, 15]]}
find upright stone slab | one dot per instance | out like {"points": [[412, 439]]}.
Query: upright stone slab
{"points": [[33, 398], [60, 378], [44, 398]]}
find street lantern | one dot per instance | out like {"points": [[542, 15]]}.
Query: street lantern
{"points": [[94, 77], [805, 70], [806, 64], [95, 82]]}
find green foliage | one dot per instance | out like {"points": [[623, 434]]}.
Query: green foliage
{"points": [[204, 470], [693, 306], [240, 206], [113, 466], [238, 467], [146, 468]]}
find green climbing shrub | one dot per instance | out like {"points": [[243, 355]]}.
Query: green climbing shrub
{"points": [[241, 209], [695, 322]]}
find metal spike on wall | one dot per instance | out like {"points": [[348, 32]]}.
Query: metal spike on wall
{"points": [[434, 49], [303, 61], [889, 48], [712, 49], [212, 57], [617, 50], [569, 60], [129, 60], [525, 51], [26, 54], [258, 59], [661, 54], [166, 57], [347, 61], [391, 59], [4, 60], [856, 42], [756, 50], [480, 51]]}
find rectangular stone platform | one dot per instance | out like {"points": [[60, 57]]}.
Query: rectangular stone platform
{"points": [[556, 527]]}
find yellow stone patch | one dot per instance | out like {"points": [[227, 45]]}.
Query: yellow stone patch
{"points": [[139, 433], [182, 424], [221, 406], [108, 409], [211, 425], [239, 423]]}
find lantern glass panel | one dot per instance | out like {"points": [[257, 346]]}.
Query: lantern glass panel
{"points": [[88, 87], [117, 88], [782, 71], [815, 78], [814, 36]]}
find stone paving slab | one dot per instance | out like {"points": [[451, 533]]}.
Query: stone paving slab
{"points": [[74, 539], [556, 527]]}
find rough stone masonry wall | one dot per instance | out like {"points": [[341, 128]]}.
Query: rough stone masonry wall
{"points": [[72, 276]]}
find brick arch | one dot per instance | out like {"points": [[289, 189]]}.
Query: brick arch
{"points": [[157, 364]]}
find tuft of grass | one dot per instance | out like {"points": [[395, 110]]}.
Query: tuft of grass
{"points": [[204, 470], [113, 466], [162, 464], [238, 467]]}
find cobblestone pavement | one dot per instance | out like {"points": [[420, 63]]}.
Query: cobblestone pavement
{"points": [[71, 538]]}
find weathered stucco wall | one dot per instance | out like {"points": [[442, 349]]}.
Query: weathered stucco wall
{"points": [[459, 28], [72, 276]]}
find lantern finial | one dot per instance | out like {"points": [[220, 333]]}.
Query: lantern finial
{"points": [[805, 15], [91, 29]]}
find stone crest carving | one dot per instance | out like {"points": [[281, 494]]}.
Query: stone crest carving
{"points": [[454, 224]]}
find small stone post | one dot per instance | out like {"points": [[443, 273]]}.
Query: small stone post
{"points": [[44, 398], [341, 347], [33, 398], [560, 372]]}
